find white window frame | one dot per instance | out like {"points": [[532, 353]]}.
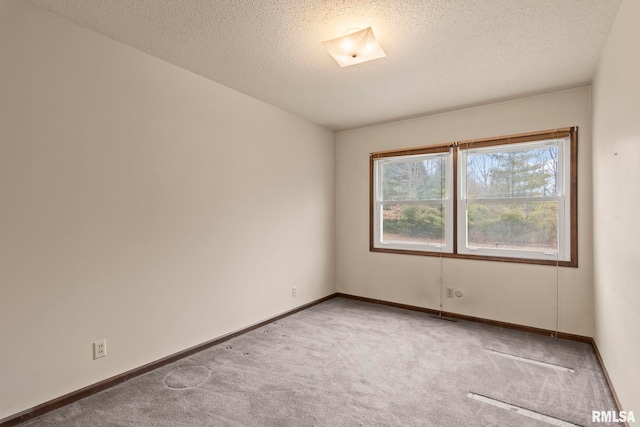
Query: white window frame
{"points": [[448, 202], [563, 199]]}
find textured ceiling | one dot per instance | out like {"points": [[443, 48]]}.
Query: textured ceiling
{"points": [[441, 54]]}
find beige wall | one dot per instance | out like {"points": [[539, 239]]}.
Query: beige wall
{"points": [[521, 294], [616, 184], [143, 204]]}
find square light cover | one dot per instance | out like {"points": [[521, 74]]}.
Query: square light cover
{"points": [[355, 48]]}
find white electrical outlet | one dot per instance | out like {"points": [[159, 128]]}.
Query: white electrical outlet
{"points": [[294, 291], [449, 292], [99, 349]]}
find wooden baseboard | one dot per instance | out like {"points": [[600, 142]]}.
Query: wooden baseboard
{"points": [[43, 408], [110, 382], [607, 377], [539, 331]]}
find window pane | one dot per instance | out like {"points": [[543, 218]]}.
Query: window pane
{"points": [[531, 226], [530, 172], [413, 223], [422, 178]]}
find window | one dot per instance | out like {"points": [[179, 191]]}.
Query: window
{"points": [[413, 202], [508, 198]]}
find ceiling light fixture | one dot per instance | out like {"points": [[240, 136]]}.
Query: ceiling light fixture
{"points": [[354, 48]]}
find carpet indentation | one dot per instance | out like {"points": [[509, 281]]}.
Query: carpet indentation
{"points": [[521, 411], [186, 377], [531, 361]]}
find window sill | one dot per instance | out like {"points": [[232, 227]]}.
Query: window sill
{"points": [[573, 263]]}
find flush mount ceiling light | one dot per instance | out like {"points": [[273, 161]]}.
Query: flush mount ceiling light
{"points": [[354, 48]]}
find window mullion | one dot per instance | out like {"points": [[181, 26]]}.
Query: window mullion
{"points": [[513, 199]]}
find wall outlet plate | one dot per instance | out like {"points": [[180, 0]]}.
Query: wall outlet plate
{"points": [[99, 349]]}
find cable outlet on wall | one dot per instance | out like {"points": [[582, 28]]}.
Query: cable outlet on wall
{"points": [[99, 349], [449, 292], [294, 291]]}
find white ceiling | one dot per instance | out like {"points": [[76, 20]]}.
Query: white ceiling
{"points": [[441, 54]]}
